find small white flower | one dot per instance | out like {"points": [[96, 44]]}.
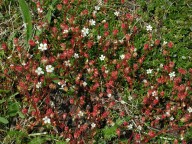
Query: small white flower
{"points": [[189, 110], [89, 70], [168, 113], [92, 22], [42, 47], [149, 28], [94, 12], [67, 139], [46, 120], [65, 31], [84, 84], [76, 55], [154, 93], [93, 125], [172, 118], [67, 63], [102, 57], [164, 42], [130, 98], [139, 128], [106, 71], [80, 114], [116, 13], [98, 37], [49, 68], [97, 8], [149, 71], [38, 85], [23, 63], [103, 21], [85, 31], [171, 75], [40, 10], [158, 118], [161, 65], [39, 71], [122, 56], [130, 126], [109, 95], [145, 81]]}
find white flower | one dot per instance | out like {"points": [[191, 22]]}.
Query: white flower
{"points": [[164, 42], [92, 22], [65, 31], [139, 128], [149, 71], [40, 10], [94, 12], [189, 110], [145, 81], [80, 114], [154, 93], [161, 65], [172, 118], [49, 68], [149, 28], [97, 8], [89, 70], [42, 47], [116, 13], [167, 113], [122, 56], [23, 63], [106, 71], [102, 57], [67, 63], [39, 71], [85, 31], [130, 98], [171, 75], [84, 84], [98, 37], [76, 55], [38, 85], [109, 95], [46, 120], [93, 125], [67, 139], [130, 126]]}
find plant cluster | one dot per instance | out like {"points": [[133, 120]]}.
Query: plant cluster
{"points": [[94, 72]]}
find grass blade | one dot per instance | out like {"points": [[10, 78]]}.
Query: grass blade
{"points": [[26, 17]]}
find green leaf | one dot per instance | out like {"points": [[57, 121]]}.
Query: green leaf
{"points": [[4, 91], [13, 109], [4, 120], [2, 101], [21, 115], [49, 13], [37, 140], [26, 17]]}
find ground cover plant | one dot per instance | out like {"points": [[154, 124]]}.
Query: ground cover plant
{"points": [[75, 71]]}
